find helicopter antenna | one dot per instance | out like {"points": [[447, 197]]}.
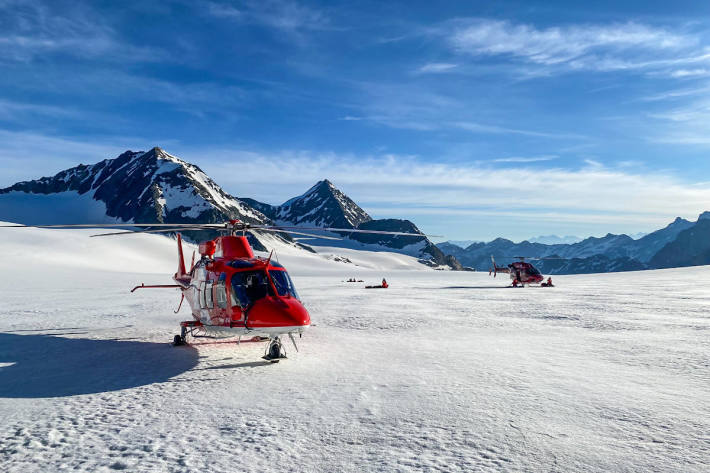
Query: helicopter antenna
{"points": [[270, 255]]}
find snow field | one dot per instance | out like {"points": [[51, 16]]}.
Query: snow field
{"points": [[443, 371]]}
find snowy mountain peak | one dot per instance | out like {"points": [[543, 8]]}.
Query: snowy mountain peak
{"points": [[140, 187], [323, 205], [704, 216]]}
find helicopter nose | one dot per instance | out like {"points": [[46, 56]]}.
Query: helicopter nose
{"points": [[275, 312], [296, 313]]}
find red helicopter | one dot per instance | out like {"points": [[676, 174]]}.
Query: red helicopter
{"points": [[521, 272], [231, 291]]}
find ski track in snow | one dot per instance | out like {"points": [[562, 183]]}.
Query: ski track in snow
{"points": [[443, 371]]}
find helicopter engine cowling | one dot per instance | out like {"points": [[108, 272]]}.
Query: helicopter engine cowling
{"points": [[232, 247]]}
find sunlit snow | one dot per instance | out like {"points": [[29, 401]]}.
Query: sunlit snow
{"points": [[443, 371]]}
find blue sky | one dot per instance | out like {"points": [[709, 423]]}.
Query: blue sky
{"points": [[474, 119]]}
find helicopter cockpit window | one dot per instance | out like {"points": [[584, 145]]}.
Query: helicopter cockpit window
{"points": [[533, 270], [283, 283], [248, 287]]}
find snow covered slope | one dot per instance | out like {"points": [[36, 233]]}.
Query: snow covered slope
{"points": [[443, 371], [151, 253]]}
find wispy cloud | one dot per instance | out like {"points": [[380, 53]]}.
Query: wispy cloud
{"points": [[223, 10], [36, 28], [495, 129], [615, 46], [677, 94], [526, 159], [12, 110], [284, 15], [684, 123], [690, 72], [436, 68], [412, 106], [407, 182]]}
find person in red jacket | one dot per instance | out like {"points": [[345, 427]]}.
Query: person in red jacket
{"points": [[384, 283]]}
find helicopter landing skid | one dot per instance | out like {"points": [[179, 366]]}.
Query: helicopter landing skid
{"points": [[188, 326]]}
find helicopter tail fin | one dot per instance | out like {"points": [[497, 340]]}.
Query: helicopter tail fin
{"points": [[181, 259]]}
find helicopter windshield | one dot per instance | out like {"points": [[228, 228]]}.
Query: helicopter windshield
{"points": [[283, 283], [248, 287], [532, 270]]}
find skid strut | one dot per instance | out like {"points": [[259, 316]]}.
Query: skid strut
{"points": [[275, 351], [186, 327]]}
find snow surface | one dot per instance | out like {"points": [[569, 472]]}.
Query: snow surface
{"points": [[443, 371]]}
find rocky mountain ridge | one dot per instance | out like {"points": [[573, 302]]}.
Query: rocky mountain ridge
{"points": [[324, 205], [665, 247]]}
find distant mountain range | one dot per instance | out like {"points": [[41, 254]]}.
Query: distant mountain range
{"points": [[681, 243], [157, 187]]}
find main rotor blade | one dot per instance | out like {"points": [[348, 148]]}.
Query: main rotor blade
{"points": [[347, 230], [241, 226], [157, 230], [116, 225], [294, 232]]}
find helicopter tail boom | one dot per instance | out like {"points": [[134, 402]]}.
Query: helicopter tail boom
{"points": [[496, 269]]}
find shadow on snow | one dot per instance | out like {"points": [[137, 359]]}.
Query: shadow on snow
{"points": [[49, 366]]}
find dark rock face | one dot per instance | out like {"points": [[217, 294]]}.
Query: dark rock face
{"points": [[323, 205], [690, 248], [645, 248], [591, 264]]}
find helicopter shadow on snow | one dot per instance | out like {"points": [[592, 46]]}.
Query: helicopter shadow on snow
{"points": [[33, 366]]}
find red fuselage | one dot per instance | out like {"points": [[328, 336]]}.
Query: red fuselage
{"points": [[232, 292], [525, 273]]}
